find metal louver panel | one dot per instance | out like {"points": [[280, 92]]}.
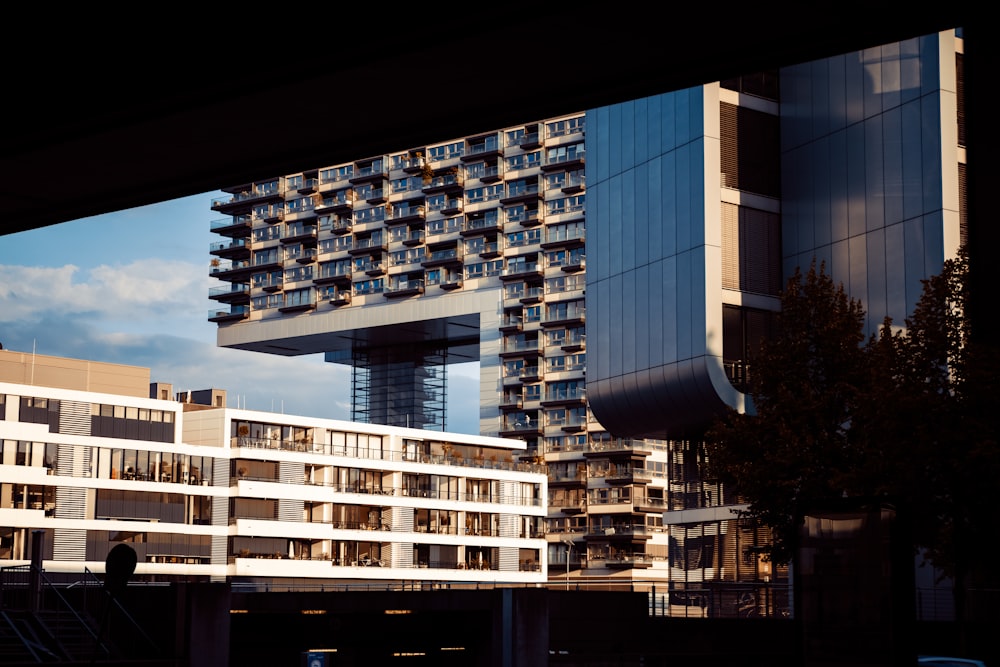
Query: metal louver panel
{"points": [[74, 417], [69, 544], [288, 509], [508, 559], [730, 246]]}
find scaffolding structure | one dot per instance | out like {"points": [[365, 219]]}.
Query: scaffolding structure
{"points": [[401, 385]]}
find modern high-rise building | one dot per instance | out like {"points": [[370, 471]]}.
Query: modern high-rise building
{"points": [[609, 271], [93, 455]]}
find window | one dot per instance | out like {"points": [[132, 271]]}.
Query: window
{"points": [[568, 153], [743, 329], [437, 202], [266, 256], [404, 185], [268, 233], [298, 274], [363, 287], [571, 257], [523, 238], [563, 127], [524, 161], [300, 297], [751, 249], [475, 170], [750, 145], [574, 204]]}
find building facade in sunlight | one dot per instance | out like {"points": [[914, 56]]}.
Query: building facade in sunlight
{"points": [[93, 455], [609, 271]]}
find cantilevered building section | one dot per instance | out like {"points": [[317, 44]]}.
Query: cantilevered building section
{"points": [[610, 272], [467, 250]]}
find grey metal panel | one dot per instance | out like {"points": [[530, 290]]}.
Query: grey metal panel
{"points": [[855, 180], [890, 77], [913, 168], [821, 187], [857, 285], [875, 297], [892, 168], [643, 295], [839, 193], [895, 257], [855, 80], [642, 223], [627, 237], [930, 158], [874, 192]]}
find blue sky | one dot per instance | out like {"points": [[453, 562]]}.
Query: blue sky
{"points": [[131, 287]]}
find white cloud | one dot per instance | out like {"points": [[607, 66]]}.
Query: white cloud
{"points": [[144, 313], [142, 289]]}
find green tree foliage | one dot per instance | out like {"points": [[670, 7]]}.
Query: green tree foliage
{"points": [[908, 417]]}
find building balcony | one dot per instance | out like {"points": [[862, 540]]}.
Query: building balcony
{"points": [[233, 293], [563, 240], [520, 428], [341, 226], [511, 402], [522, 271], [404, 288], [530, 374], [618, 533], [634, 449], [372, 269], [569, 479], [340, 298], [481, 148], [413, 164], [473, 226], [246, 197], [491, 250], [405, 214], [232, 270], [511, 323], [650, 505], [299, 306], [449, 285], [565, 318], [444, 257], [624, 475], [368, 246], [521, 350], [532, 295], [571, 161], [554, 399], [230, 248], [298, 232], [492, 174], [452, 206], [231, 314], [235, 226], [369, 174], [305, 256], [627, 562], [529, 141], [327, 277], [448, 183], [522, 195], [377, 196], [414, 238], [529, 218]]}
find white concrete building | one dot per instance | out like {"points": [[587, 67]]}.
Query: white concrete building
{"points": [[204, 492]]}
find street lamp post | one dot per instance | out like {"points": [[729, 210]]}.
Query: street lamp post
{"points": [[569, 554]]}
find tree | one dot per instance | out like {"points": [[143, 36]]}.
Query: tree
{"points": [[792, 450], [907, 417]]}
